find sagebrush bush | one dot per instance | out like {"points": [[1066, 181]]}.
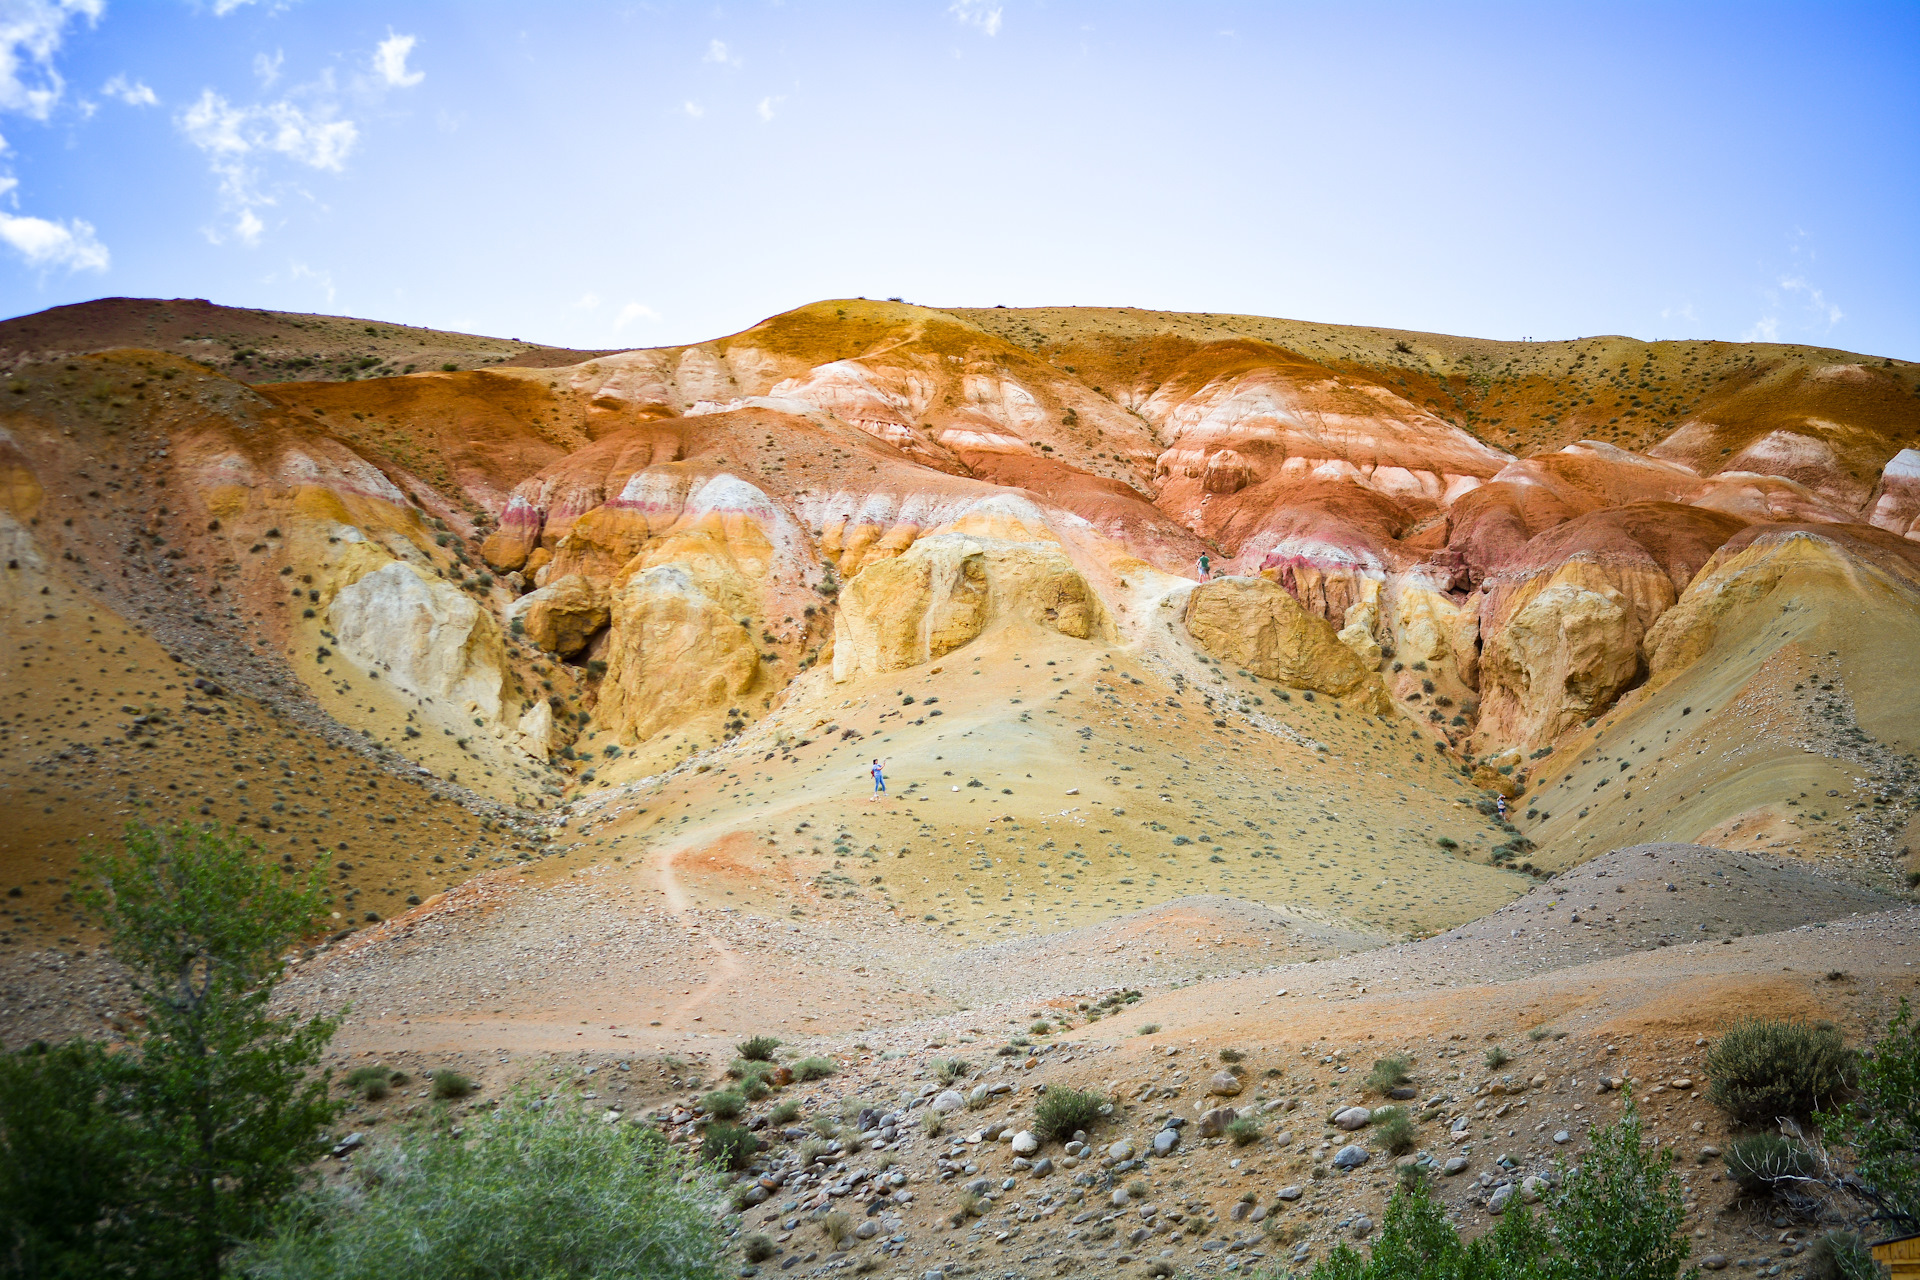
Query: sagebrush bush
{"points": [[814, 1068], [1390, 1073], [550, 1193], [727, 1146], [1497, 1058], [947, 1070], [1061, 1111], [371, 1083], [1762, 1069], [757, 1048], [1394, 1129], [932, 1123], [1245, 1131], [785, 1112], [758, 1247], [449, 1084], [1840, 1255], [1760, 1160], [725, 1104], [837, 1226]]}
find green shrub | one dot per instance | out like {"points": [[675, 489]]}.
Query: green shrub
{"points": [[1040, 1028], [1148, 1028], [371, 1083], [1390, 1073], [1841, 1255], [724, 1104], [1497, 1058], [727, 1146], [754, 1088], [837, 1226], [1393, 1127], [1244, 1131], [814, 1068], [1231, 1056], [551, 1193], [749, 1068], [1881, 1124], [1061, 1111], [757, 1048], [758, 1247], [1759, 1161], [449, 1084], [1762, 1069], [785, 1112], [947, 1070], [932, 1123]]}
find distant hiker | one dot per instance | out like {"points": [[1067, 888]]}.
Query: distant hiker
{"points": [[1205, 572], [1501, 804], [879, 781]]}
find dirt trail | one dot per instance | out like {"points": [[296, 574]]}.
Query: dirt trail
{"points": [[727, 961]]}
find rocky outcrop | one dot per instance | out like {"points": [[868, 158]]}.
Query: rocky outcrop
{"points": [[947, 589], [562, 616], [424, 636], [674, 653], [1256, 624], [1895, 506], [1570, 646]]}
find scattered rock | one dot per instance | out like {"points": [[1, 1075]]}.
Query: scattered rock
{"points": [[1497, 1202], [1025, 1144], [1224, 1084], [1289, 1194], [1351, 1118], [1351, 1157], [1456, 1164]]}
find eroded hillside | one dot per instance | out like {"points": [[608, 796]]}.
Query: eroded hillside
{"points": [[679, 598]]}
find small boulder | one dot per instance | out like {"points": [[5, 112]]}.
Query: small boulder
{"points": [[1714, 1262], [1362, 1227], [1457, 1164], [947, 1103], [1165, 1141], [1351, 1157], [1224, 1084], [1121, 1150], [1289, 1194], [1025, 1144], [1497, 1202], [1215, 1122], [1351, 1118]]}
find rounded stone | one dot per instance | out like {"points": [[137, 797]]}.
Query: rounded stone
{"points": [[1351, 1157]]}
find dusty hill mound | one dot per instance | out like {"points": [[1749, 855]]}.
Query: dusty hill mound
{"points": [[251, 345]]}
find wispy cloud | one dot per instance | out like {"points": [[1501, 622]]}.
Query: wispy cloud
{"points": [[631, 312], [131, 92], [588, 301], [266, 67], [301, 271], [1765, 329], [54, 244], [390, 60], [767, 105], [236, 140], [977, 13], [1815, 301], [30, 35], [221, 8], [717, 52], [693, 108]]}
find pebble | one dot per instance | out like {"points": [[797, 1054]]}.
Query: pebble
{"points": [[1351, 1157], [1458, 1164], [1165, 1141], [1224, 1084], [1714, 1262], [1362, 1227], [948, 1102], [1025, 1144], [1042, 1167], [1121, 1150], [1120, 1198], [1562, 1137]]}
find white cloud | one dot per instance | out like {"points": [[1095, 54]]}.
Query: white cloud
{"points": [[717, 52], [221, 8], [631, 312], [30, 34], [236, 139], [767, 105], [1683, 311], [301, 271], [1816, 301], [268, 68], [977, 13], [693, 109], [588, 301], [54, 244], [1765, 329], [390, 60], [131, 92]]}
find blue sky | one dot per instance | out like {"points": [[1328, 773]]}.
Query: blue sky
{"points": [[639, 174]]}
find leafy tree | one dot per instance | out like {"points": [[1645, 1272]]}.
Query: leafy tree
{"points": [[66, 1170], [528, 1191], [223, 1094], [1882, 1124]]}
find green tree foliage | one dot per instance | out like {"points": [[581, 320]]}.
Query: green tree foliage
{"points": [[1881, 1124], [157, 1160], [66, 1163], [1617, 1215], [527, 1192]]}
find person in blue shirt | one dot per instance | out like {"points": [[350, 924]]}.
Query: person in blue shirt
{"points": [[879, 780]]}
